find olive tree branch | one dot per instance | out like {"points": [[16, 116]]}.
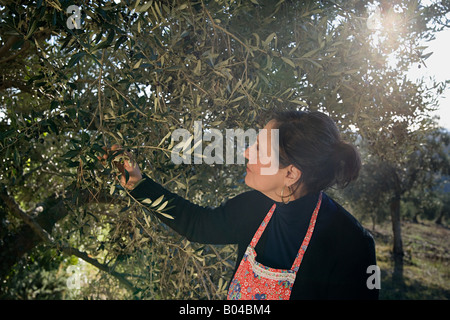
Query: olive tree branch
{"points": [[47, 238]]}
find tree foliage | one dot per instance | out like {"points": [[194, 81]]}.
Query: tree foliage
{"points": [[137, 70]]}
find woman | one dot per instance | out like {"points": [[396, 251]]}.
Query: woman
{"points": [[294, 242]]}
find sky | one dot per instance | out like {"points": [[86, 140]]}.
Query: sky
{"points": [[438, 66]]}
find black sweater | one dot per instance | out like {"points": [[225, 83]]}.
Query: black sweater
{"points": [[334, 265]]}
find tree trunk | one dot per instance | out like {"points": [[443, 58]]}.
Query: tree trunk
{"points": [[416, 217], [14, 246], [398, 244], [441, 217]]}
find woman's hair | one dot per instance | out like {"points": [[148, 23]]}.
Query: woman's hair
{"points": [[311, 142]]}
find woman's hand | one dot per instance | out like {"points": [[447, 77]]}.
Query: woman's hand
{"points": [[130, 174]]}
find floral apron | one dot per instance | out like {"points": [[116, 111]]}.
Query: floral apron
{"points": [[253, 280]]}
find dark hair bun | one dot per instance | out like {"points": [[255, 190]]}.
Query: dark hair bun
{"points": [[311, 141], [348, 163]]}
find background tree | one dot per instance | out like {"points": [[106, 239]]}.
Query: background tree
{"points": [[137, 70], [413, 178]]}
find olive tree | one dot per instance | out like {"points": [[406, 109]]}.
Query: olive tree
{"points": [[78, 76]]}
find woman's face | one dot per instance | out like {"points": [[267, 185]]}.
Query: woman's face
{"points": [[263, 158]]}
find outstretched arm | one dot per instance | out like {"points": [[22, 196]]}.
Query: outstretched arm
{"points": [[196, 223]]}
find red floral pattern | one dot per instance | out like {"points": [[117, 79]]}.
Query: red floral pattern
{"points": [[256, 281]]}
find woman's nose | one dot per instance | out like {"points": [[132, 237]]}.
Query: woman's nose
{"points": [[246, 153]]}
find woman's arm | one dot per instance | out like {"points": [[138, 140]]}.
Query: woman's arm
{"points": [[355, 254], [196, 223]]}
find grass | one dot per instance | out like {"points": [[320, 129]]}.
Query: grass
{"points": [[426, 268]]}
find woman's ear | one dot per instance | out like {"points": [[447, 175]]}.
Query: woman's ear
{"points": [[293, 174]]}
